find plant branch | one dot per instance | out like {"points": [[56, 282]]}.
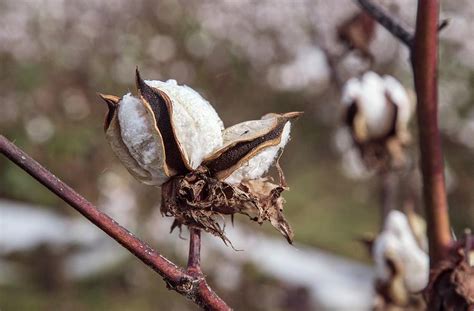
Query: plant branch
{"points": [[388, 22], [424, 58], [183, 282]]}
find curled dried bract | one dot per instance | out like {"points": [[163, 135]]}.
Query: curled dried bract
{"points": [[452, 283], [199, 200]]}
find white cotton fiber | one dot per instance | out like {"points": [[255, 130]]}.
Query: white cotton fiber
{"points": [[258, 165], [197, 125], [369, 94], [140, 137], [400, 97], [398, 242], [351, 91]]}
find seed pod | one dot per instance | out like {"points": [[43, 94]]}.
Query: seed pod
{"points": [[250, 148], [168, 131]]}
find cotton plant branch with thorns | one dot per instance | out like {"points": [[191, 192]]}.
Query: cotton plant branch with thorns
{"points": [[169, 136]]}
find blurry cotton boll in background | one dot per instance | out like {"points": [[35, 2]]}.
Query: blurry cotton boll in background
{"points": [[39, 129], [401, 263], [377, 111], [308, 68]]}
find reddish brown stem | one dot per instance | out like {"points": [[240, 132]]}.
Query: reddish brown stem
{"points": [[184, 283], [194, 258], [424, 62]]}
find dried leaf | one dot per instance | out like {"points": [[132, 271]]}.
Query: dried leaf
{"points": [[199, 200], [452, 285]]}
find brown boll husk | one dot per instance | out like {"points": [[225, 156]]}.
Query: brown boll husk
{"points": [[199, 200], [452, 285]]}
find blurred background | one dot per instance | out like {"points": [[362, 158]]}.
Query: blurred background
{"points": [[247, 58]]}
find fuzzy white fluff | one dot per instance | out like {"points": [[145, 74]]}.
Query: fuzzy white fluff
{"points": [[369, 92], [259, 164], [138, 134], [197, 125], [398, 242], [400, 97]]}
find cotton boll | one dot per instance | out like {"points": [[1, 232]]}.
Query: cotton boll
{"points": [[369, 94], [258, 165], [144, 144], [398, 243], [196, 123]]}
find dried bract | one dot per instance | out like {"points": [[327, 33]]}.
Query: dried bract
{"points": [[452, 283], [357, 33], [199, 200], [172, 138]]}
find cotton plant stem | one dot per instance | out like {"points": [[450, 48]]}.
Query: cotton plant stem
{"points": [[184, 282], [194, 258], [424, 58]]}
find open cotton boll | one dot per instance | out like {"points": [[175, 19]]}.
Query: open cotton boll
{"points": [[196, 123], [144, 144], [259, 164], [368, 93], [398, 243]]}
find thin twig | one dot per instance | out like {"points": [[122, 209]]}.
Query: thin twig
{"points": [[388, 22], [424, 61], [183, 282]]}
